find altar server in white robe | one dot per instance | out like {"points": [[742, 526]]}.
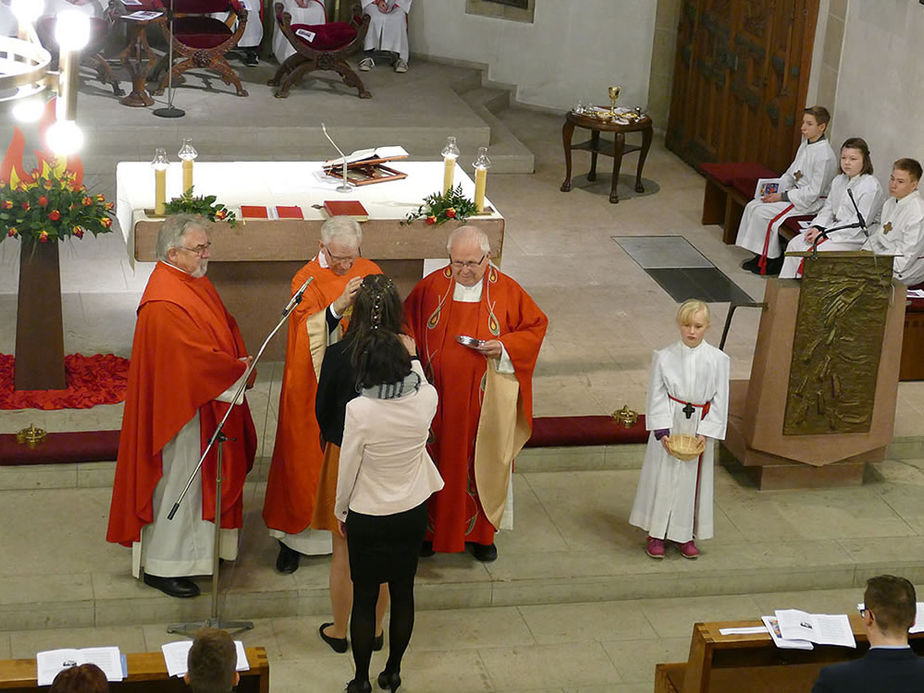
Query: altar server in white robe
{"points": [[309, 12], [900, 232], [249, 44], [687, 395], [802, 190], [837, 226], [387, 31]]}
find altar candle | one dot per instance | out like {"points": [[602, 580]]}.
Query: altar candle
{"points": [[481, 180], [160, 191], [187, 155], [187, 174], [449, 171]]}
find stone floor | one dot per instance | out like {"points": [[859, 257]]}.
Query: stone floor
{"points": [[572, 604]]}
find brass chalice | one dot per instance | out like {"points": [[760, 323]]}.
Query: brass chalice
{"points": [[614, 94]]}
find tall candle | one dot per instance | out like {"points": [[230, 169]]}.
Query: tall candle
{"points": [[160, 190], [187, 174], [449, 172], [481, 180]]}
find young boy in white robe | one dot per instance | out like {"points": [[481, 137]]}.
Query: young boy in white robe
{"points": [[387, 32], [854, 201], [687, 395], [802, 190], [900, 232]]}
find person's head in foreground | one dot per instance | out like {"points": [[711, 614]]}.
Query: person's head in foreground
{"points": [[469, 254], [212, 662], [379, 355], [906, 173], [86, 678], [693, 319], [183, 241], [890, 604]]}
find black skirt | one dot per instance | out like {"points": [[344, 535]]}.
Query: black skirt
{"points": [[385, 548]]}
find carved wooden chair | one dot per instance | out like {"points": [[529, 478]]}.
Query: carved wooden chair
{"points": [[92, 52], [201, 41], [320, 47]]}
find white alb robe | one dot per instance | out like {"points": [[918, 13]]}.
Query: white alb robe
{"points": [[311, 15], [253, 31], [388, 32], [838, 211], [806, 182], [901, 233], [674, 498]]}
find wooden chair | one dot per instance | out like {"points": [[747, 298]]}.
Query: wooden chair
{"points": [[319, 47], [201, 41], [92, 53]]}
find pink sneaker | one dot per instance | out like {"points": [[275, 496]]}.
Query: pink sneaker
{"points": [[688, 549], [655, 547]]}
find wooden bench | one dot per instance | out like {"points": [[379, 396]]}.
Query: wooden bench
{"points": [[734, 663], [147, 673], [912, 359], [723, 201]]}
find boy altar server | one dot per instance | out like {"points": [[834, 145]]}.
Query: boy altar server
{"points": [[802, 191]]}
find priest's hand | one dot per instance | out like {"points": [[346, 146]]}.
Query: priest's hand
{"points": [[491, 349], [812, 234], [345, 300], [772, 197], [253, 374], [382, 5], [664, 444], [408, 343], [341, 528]]}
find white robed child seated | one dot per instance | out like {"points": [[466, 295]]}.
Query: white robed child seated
{"points": [[838, 226], [803, 188], [687, 403], [900, 232]]}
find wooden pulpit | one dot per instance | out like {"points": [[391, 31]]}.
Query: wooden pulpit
{"points": [[820, 402]]}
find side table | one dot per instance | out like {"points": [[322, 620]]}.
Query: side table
{"points": [[615, 148], [137, 58]]}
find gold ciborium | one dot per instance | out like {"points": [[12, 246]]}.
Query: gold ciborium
{"points": [[614, 94], [626, 416]]}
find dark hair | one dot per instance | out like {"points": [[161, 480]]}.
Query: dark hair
{"points": [[822, 117], [892, 601], [860, 145], [911, 166], [86, 678], [211, 662], [378, 356]]}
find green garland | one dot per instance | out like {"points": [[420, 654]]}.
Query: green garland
{"points": [[204, 205], [438, 208]]}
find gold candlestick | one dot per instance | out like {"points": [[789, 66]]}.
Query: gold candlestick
{"points": [[450, 154], [481, 177]]}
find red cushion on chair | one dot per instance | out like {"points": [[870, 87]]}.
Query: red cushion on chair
{"points": [[200, 32], [745, 186], [328, 37], [199, 6], [725, 172]]}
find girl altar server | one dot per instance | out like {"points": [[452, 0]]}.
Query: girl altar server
{"points": [[802, 190], [837, 226], [687, 396]]}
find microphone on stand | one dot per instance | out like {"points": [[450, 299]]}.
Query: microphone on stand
{"points": [[857, 209], [296, 298], [170, 111], [345, 186]]}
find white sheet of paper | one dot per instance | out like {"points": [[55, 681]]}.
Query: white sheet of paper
{"points": [[50, 662], [392, 152], [746, 630], [915, 293], [142, 15], [177, 652], [773, 627], [821, 629], [805, 224], [305, 34]]}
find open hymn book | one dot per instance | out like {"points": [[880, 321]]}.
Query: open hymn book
{"points": [[50, 662]]}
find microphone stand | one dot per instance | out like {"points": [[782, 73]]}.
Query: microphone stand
{"points": [[170, 111], [859, 216], [345, 186], [214, 620]]}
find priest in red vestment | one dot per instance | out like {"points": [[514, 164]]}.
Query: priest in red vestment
{"points": [[485, 408], [187, 363], [292, 489]]}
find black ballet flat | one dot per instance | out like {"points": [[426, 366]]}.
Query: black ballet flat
{"points": [[389, 680], [338, 645], [355, 686]]}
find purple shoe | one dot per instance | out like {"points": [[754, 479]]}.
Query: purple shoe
{"points": [[655, 547]]}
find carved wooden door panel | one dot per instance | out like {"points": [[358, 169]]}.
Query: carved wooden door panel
{"points": [[740, 79]]}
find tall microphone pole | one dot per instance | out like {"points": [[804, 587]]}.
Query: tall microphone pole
{"points": [[170, 111], [345, 186], [215, 621], [859, 216]]}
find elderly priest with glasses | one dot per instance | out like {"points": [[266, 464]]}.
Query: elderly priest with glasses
{"points": [[478, 335], [187, 363]]}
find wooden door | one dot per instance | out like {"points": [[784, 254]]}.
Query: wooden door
{"points": [[740, 78]]}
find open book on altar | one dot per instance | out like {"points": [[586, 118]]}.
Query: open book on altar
{"points": [[365, 166]]}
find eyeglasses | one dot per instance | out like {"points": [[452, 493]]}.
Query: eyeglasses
{"points": [[199, 250], [338, 259], [459, 264]]}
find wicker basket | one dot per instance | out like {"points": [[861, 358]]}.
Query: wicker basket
{"points": [[686, 448]]}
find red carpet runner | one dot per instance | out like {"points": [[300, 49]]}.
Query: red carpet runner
{"points": [[91, 380]]}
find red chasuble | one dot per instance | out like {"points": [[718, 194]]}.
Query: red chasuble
{"points": [[505, 312], [293, 477], [186, 352]]}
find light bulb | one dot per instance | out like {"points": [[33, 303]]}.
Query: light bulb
{"points": [[72, 30], [64, 137], [27, 11], [28, 110]]}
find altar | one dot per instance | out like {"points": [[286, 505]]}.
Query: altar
{"points": [[252, 263]]}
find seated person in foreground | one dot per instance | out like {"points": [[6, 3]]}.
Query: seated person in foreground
{"points": [[309, 12], [900, 232], [211, 665], [890, 666], [837, 226], [387, 31], [802, 190]]}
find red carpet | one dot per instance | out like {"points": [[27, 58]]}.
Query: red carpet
{"points": [[91, 380], [565, 431]]}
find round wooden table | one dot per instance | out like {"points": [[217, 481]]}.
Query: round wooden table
{"points": [[614, 148]]}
